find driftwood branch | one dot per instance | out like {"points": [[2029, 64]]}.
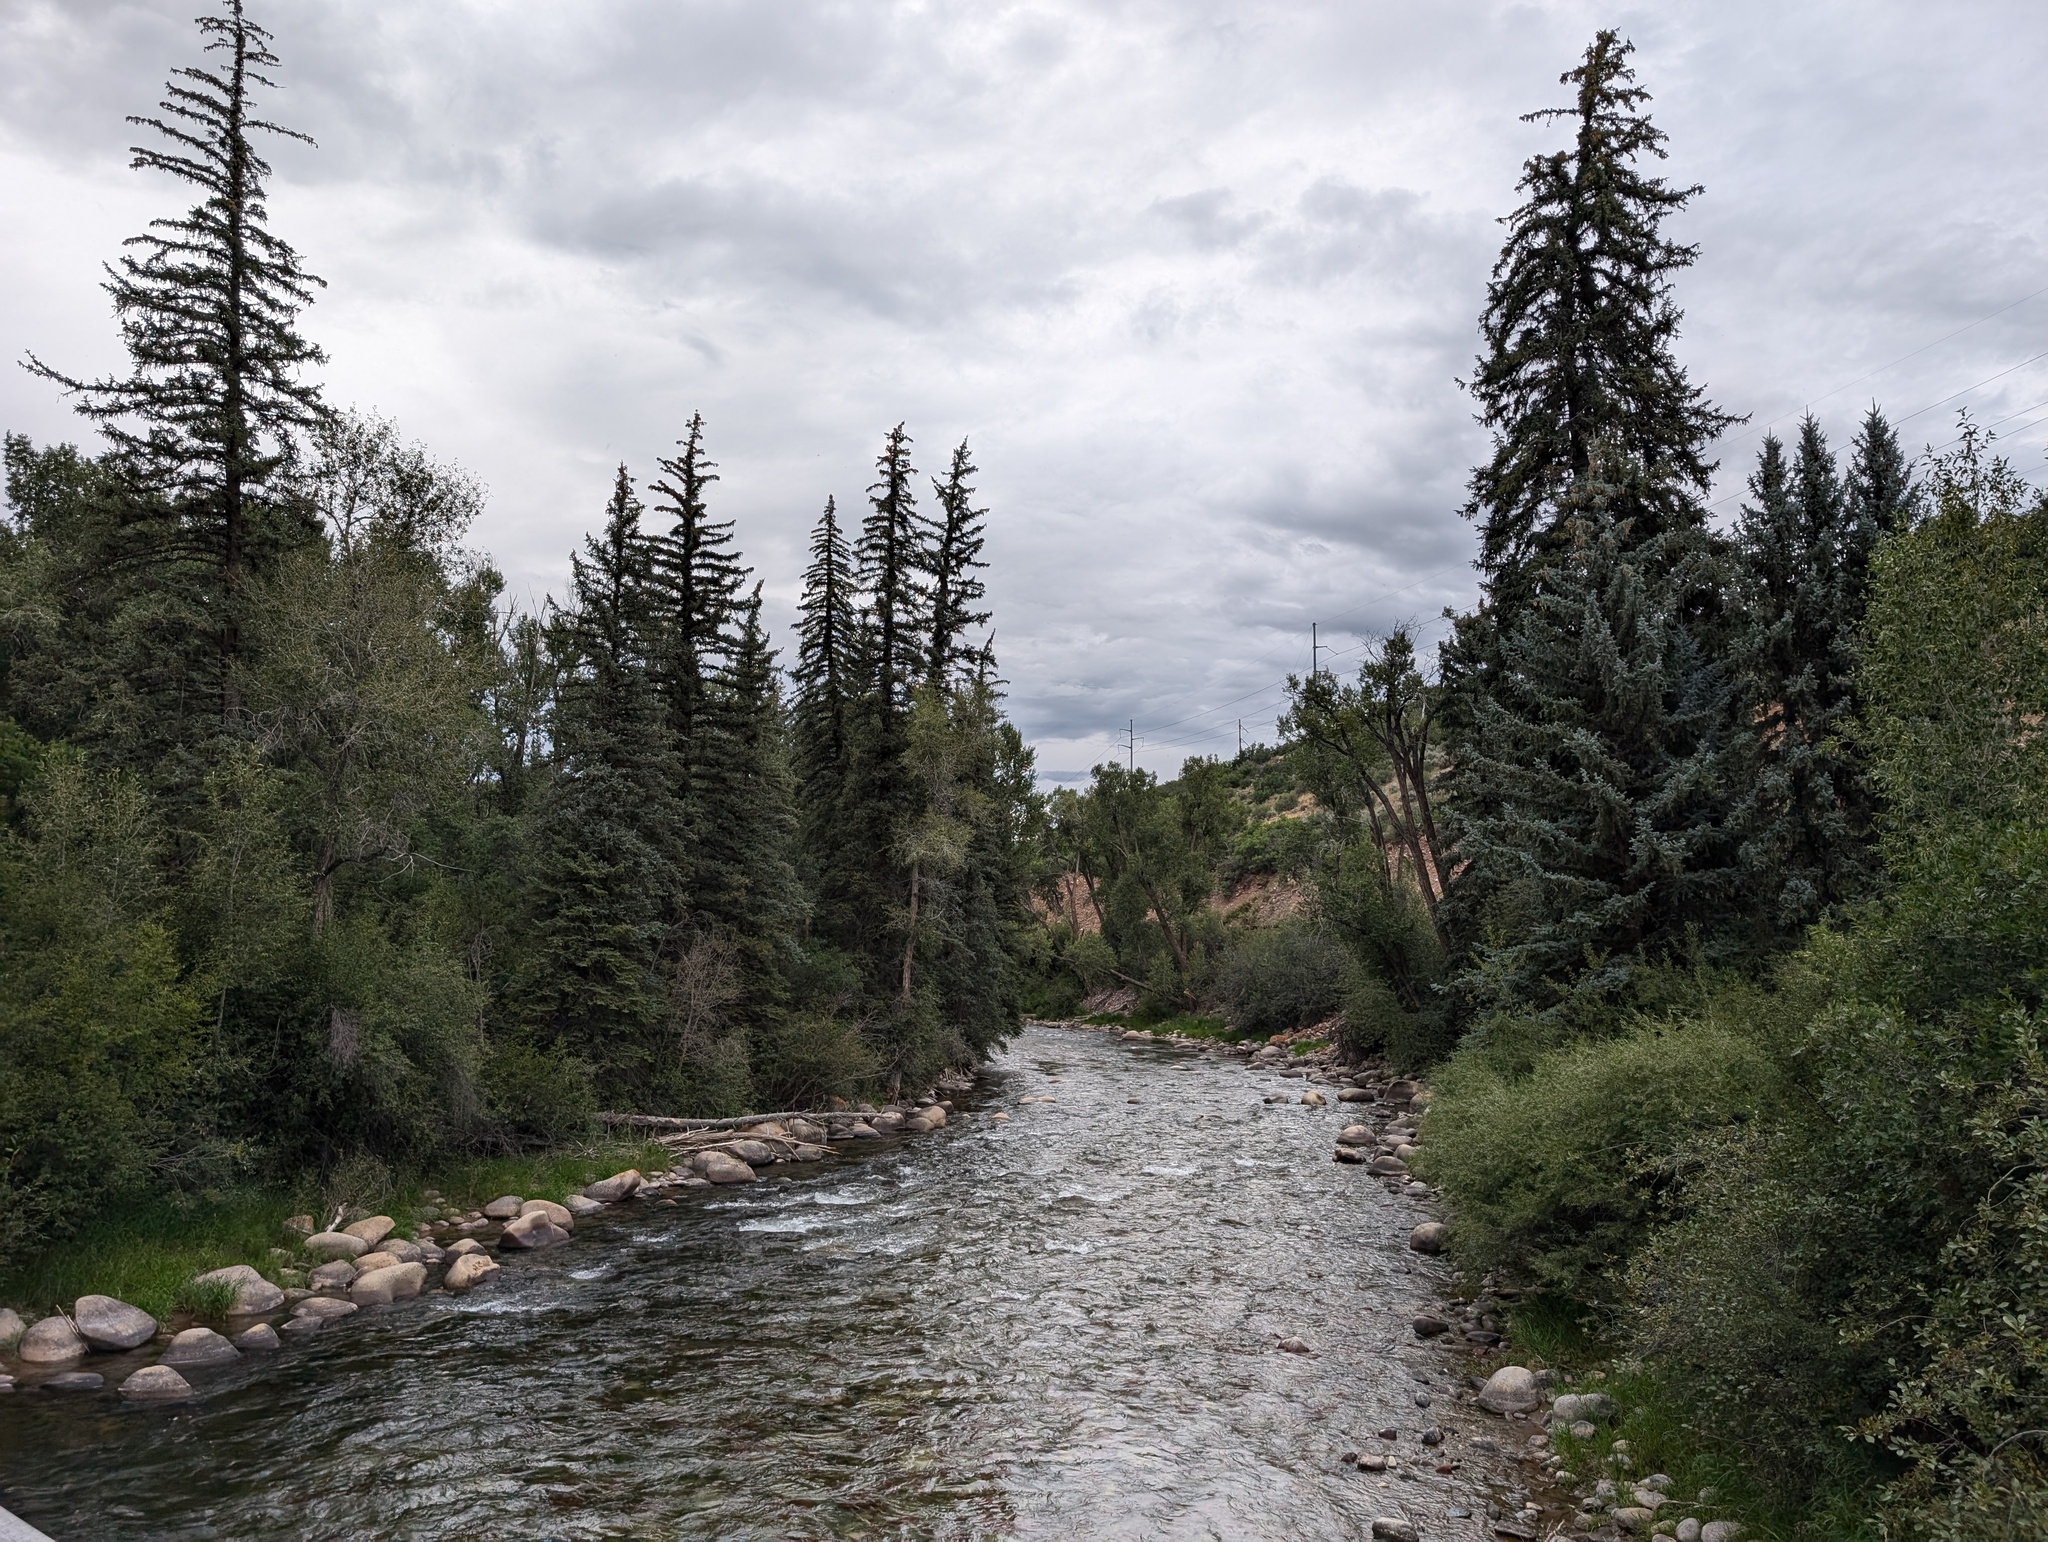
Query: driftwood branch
{"points": [[663, 1122]]}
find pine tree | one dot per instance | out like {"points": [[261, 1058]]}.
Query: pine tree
{"points": [[826, 655], [1592, 799], [955, 559], [605, 874], [892, 563], [1578, 327], [699, 577], [208, 310], [1804, 546]]}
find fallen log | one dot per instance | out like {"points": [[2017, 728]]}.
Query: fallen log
{"points": [[663, 1122]]}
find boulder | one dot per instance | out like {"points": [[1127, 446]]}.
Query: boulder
{"points": [[804, 1152], [336, 1274], [1400, 1091], [106, 1323], [253, 1293], [936, 1114], [887, 1123], [1511, 1389], [609, 1191], [402, 1250], [377, 1287], [1390, 1528], [424, 1253], [755, 1153], [1633, 1519], [301, 1225], [258, 1336], [75, 1381], [321, 1309], [11, 1325], [1294, 1346], [720, 1168], [803, 1129], [1429, 1237], [466, 1247], [373, 1229], [558, 1214], [503, 1208], [1355, 1135], [1313, 1098], [534, 1229], [1387, 1166], [155, 1384], [1594, 1407], [49, 1342], [580, 1206], [200, 1346], [1354, 1095], [377, 1260], [336, 1244], [1720, 1531], [1350, 1154], [302, 1325], [1688, 1530], [1428, 1325], [469, 1270], [860, 1129], [918, 1123]]}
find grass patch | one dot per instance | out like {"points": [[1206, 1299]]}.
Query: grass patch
{"points": [[147, 1254]]}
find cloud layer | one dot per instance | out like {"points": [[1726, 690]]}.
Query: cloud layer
{"points": [[1197, 280]]}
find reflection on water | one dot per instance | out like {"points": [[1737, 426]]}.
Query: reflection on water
{"points": [[1058, 1326]]}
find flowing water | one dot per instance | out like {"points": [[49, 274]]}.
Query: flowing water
{"points": [[1063, 1325]]}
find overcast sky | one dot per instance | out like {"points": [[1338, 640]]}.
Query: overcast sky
{"points": [[1197, 280]]}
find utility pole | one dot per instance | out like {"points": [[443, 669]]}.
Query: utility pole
{"points": [[1315, 652], [1132, 736], [1240, 738]]}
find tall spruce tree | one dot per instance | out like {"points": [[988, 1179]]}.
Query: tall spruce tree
{"points": [[605, 873], [1804, 544], [1592, 800], [699, 576], [826, 656], [208, 304], [1578, 327], [957, 540], [893, 566]]}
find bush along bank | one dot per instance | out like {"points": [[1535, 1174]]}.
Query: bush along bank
{"points": [[327, 1272]]}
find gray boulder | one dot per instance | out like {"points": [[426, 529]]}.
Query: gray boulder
{"points": [[1633, 1519], [503, 1208], [258, 1336], [718, 1167], [534, 1229], [469, 1270], [200, 1346], [322, 1309], [1720, 1531], [155, 1384], [253, 1293], [465, 1247], [372, 1229], [1387, 1166], [49, 1342], [581, 1205], [860, 1129], [335, 1274], [11, 1325], [1511, 1389], [106, 1323], [1389, 1528], [336, 1244], [755, 1153], [1429, 1237], [558, 1214], [609, 1191]]}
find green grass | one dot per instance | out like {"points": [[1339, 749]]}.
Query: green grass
{"points": [[1555, 1333], [147, 1254]]}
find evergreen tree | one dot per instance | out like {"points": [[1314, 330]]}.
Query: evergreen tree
{"points": [[1578, 328], [1804, 558], [1880, 494], [1591, 802], [892, 564], [955, 559], [605, 876], [699, 577], [828, 655], [208, 309]]}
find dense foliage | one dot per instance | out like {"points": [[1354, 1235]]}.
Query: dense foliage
{"points": [[315, 853]]}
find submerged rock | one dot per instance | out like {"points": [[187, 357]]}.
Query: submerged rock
{"points": [[106, 1323], [75, 1381]]}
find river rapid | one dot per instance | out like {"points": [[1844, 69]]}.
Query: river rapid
{"points": [[1062, 1325]]}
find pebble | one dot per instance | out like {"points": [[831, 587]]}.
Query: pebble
{"points": [[106, 1323], [155, 1384], [200, 1346]]}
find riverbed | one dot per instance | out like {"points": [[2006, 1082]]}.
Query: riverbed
{"points": [[1065, 1325]]}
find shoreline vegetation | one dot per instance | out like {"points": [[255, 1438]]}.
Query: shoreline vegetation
{"points": [[1700, 877]]}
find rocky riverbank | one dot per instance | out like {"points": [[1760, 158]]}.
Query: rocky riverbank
{"points": [[322, 1275]]}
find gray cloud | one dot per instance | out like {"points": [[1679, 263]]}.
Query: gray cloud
{"points": [[1196, 278]]}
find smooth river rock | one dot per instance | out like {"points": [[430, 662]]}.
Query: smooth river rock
{"points": [[336, 1244], [532, 1230], [1720, 1531], [755, 1153], [380, 1259], [860, 1129], [469, 1270], [1593, 1407], [156, 1384], [49, 1342], [1429, 1237], [503, 1208], [581, 1205], [718, 1167], [609, 1191], [75, 1381], [106, 1323], [322, 1309], [200, 1346], [887, 1122], [11, 1325], [465, 1247], [1511, 1389], [258, 1337], [1355, 1135], [253, 1293], [379, 1286], [1387, 1166], [335, 1274], [1390, 1528], [559, 1214], [373, 1229]]}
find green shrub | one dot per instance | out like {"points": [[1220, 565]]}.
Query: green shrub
{"points": [[1559, 1173], [1280, 978], [538, 1095]]}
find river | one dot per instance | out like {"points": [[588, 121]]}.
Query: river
{"points": [[1063, 1325]]}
